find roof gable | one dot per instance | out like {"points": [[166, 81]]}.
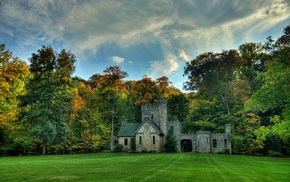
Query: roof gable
{"points": [[153, 127]]}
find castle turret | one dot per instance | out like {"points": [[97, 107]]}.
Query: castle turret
{"points": [[228, 132], [156, 112]]}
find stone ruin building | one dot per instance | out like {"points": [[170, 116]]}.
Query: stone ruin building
{"points": [[150, 135]]}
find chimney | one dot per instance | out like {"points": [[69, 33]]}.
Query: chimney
{"points": [[228, 128]]}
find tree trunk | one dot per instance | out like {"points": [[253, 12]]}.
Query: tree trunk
{"points": [[44, 148], [63, 150], [112, 134], [225, 97]]}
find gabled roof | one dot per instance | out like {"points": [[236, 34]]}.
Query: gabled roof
{"points": [[128, 129], [152, 124]]}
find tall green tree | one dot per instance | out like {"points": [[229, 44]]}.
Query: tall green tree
{"points": [[178, 106], [170, 142], [49, 98], [272, 99], [212, 76], [252, 65]]}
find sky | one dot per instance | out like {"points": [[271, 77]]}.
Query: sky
{"points": [[150, 38]]}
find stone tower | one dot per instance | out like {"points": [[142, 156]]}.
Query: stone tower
{"points": [[156, 112]]}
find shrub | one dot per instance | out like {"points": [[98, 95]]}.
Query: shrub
{"points": [[118, 148], [273, 153], [225, 151]]}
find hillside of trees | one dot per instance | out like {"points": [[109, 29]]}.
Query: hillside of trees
{"points": [[44, 110]]}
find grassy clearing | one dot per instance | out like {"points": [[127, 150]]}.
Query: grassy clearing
{"points": [[144, 167]]}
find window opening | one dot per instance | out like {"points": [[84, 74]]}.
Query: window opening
{"points": [[214, 144]]}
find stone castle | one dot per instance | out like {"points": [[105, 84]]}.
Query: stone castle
{"points": [[150, 135]]}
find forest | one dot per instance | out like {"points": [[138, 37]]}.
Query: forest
{"points": [[45, 110]]}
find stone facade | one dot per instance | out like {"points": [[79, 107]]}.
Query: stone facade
{"points": [[125, 141], [205, 142], [147, 139], [150, 134]]}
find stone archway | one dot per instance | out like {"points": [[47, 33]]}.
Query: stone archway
{"points": [[186, 145]]}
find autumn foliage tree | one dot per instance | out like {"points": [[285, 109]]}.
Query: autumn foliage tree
{"points": [[111, 87], [145, 91], [13, 76]]}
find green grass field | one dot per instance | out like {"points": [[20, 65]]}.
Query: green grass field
{"points": [[144, 167]]}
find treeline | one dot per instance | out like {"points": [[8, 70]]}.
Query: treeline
{"points": [[248, 88], [43, 109]]}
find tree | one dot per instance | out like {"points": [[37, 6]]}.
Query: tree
{"points": [[111, 89], [49, 96], [13, 75], [211, 75], [163, 83], [252, 64], [170, 142], [178, 106], [145, 91], [274, 93]]}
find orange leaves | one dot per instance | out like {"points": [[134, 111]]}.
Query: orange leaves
{"points": [[144, 91]]}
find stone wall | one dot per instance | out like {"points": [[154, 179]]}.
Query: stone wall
{"points": [[121, 140], [204, 141], [222, 141]]}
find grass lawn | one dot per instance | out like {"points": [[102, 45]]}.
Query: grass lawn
{"points": [[144, 167]]}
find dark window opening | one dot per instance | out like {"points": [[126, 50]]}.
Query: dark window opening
{"points": [[140, 140], [225, 142], [125, 141], [152, 116], [214, 144], [153, 139]]}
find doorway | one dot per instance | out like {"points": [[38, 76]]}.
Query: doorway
{"points": [[186, 145]]}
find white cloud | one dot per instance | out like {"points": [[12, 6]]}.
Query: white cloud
{"points": [[184, 56], [117, 59], [179, 28], [166, 67]]}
